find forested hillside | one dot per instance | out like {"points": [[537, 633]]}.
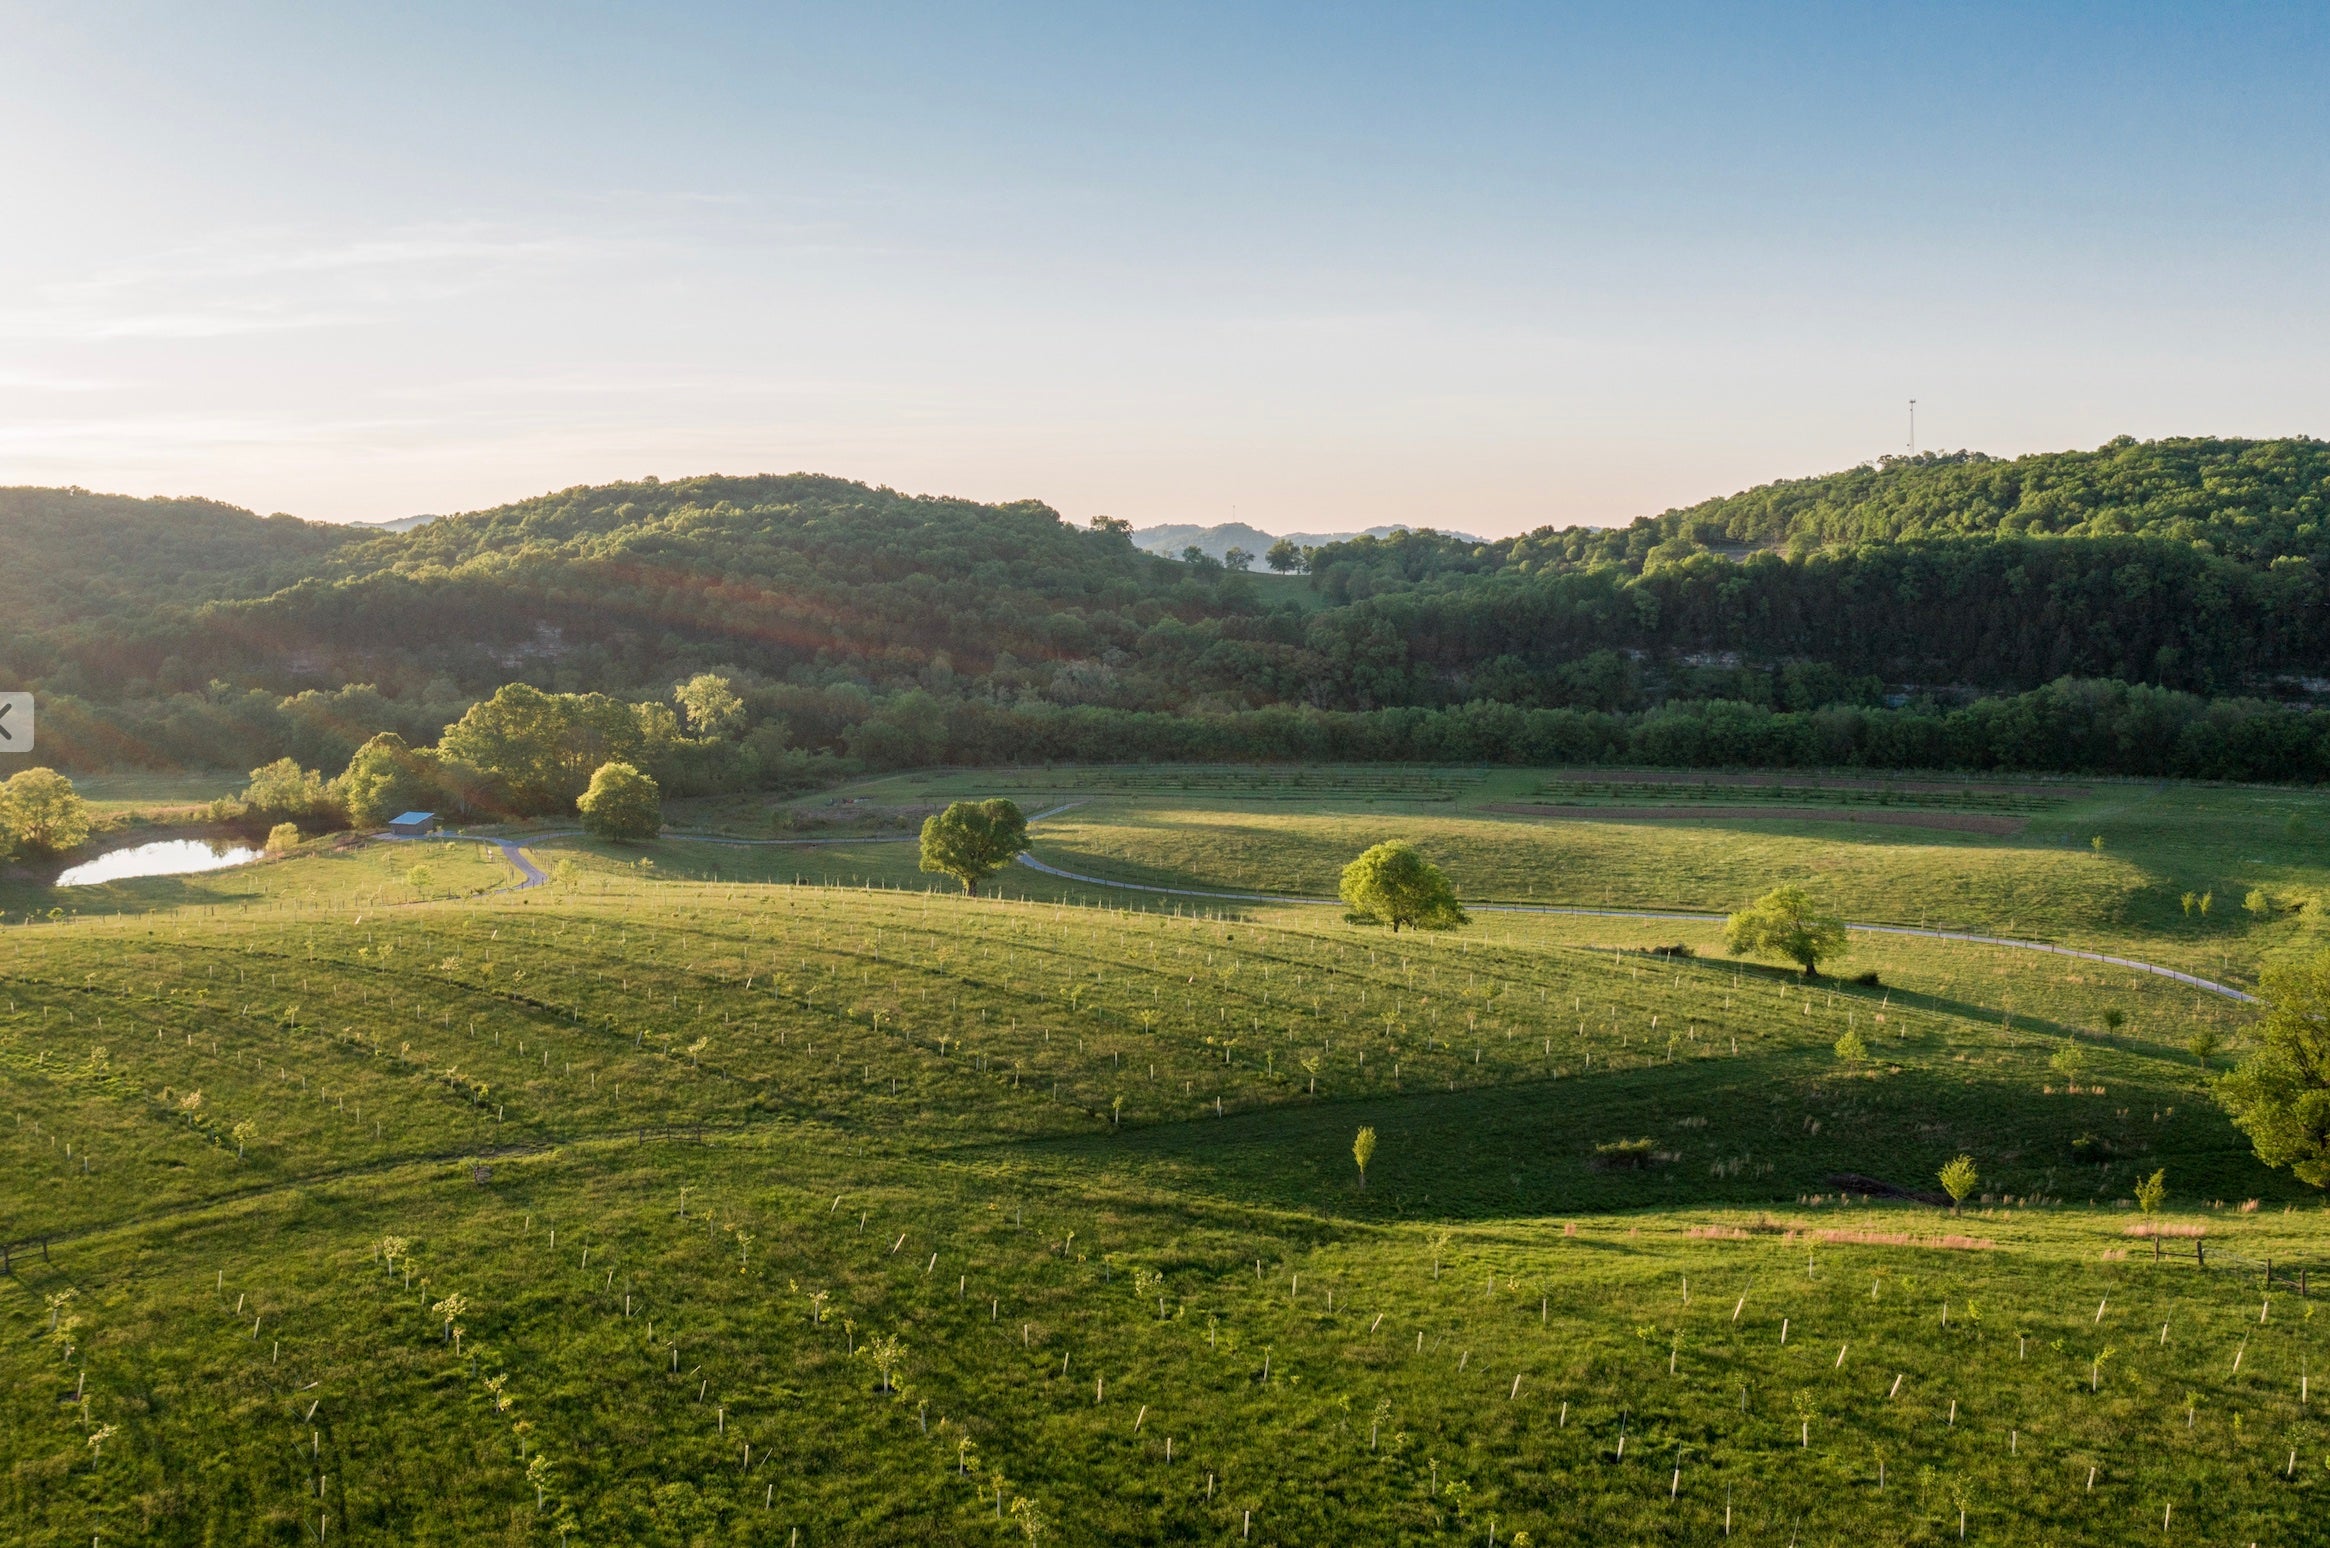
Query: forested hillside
{"points": [[886, 627]]}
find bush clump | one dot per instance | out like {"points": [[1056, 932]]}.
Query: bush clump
{"points": [[1624, 1155]]}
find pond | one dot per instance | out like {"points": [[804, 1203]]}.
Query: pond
{"points": [[164, 857]]}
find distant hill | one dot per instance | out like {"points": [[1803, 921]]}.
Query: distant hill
{"points": [[395, 523], [2195, 565], [1215, 542]]}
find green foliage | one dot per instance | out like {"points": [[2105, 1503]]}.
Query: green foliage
{"points": [[1392, 883], [1852, 1047], [622, 804], [2126, 608], [1624, 1154], [282, 792], [41, 814], [283, 838], [532, 754], [1785, 923], [387, 777], [1363, 1150], [972, 840], [2068, 1060], [1959, 1179], [2280, 1094], [712, 707], [2152, 1191]]}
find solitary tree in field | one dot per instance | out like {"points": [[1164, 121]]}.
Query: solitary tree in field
{"points": [[1959, 1179], [972, 840], [242, 1134], [1284, 556], [622, 804], [1785, 923], [2151, 1193], [1363, 1151], [1393, 884], [2280, 1095]]}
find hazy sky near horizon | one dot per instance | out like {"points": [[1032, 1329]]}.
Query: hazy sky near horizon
{"points": [[1308, 266]]}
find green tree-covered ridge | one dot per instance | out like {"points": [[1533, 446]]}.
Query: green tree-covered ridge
{"points": [[895, 629]]}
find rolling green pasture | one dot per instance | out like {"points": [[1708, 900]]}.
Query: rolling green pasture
{"points": [[2046, 882], [726, 1193]]}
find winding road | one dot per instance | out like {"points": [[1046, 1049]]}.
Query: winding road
{"points": [[532, 875], [529, 874], [2195, 981]]}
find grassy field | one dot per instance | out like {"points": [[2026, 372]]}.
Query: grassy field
{"points": [[2046, 881], [688, 1199]]}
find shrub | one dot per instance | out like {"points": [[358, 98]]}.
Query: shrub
{"points": [[1959, 1178], [1631, 1155], [283, 838]]}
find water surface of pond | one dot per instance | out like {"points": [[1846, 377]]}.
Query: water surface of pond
{"points": [[164, 857]]}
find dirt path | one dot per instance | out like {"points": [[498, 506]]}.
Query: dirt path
{"points": [[2195, 981]]}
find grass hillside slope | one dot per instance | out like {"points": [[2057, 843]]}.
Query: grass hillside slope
{"points": [[631, 1208]]}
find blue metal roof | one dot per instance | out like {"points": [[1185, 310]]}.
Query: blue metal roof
{"points": [[412, 817]]}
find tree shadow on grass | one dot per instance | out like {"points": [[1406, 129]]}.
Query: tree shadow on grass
{"points": [[1741, 1131]]}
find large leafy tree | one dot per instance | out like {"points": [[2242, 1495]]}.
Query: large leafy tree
{"points": [[42, 812], [712, 706], [2280, 1095], [621, 804], [387, 777], [972, 840], [1394, 884], [281, 792], [1785, 922], [535, 752]]}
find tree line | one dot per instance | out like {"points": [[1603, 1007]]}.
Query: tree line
{"points": [[865, 627]]}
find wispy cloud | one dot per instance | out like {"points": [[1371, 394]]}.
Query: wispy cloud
{"points": [[270, 281]]}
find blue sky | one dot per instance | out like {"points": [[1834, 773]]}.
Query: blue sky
{"points": [[1311, 266]]}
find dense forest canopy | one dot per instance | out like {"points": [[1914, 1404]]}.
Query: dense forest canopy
{"points": [[870, 624]]}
